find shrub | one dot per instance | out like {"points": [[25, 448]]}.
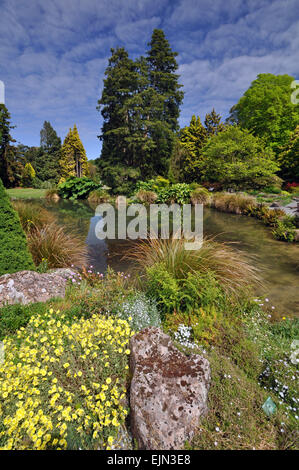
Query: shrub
{"points": [[58, 248], [14, 253], [32, 216], [140, 312], [200, 196], [13, 317], [73, 396], [100, 293], [77, 188], [237, 159], [230, 267], [49, 184], [179, 193], [146, 197], [52, 194], [233, 203], [98, 196], [28, 175], [284, 231]]}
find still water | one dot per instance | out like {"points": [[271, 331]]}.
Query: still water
{"points": [[277, 261]]}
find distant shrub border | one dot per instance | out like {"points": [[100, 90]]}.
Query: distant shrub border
{"points": [[14, 252]]}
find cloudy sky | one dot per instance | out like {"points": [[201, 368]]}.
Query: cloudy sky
{"points": [[53, 54]]}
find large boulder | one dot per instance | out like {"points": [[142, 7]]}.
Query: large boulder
{"points": [[29, 286], [168, 393]]}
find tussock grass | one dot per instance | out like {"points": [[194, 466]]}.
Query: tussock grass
{"points": [[52, 195], [231, 268], [146, 197], [98, 196], [60, 249], [32, 216], [233, 203], [200, 196]]}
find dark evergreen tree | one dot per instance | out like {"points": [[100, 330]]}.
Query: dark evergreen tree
{"points": [[162, 68], [213, 123], [140, 107], [50, 145], [119, 85], [7, 154]]}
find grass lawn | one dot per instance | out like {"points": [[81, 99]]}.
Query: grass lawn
{"points": [[26, 193]]}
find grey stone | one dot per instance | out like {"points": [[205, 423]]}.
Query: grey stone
{"points": [[169, 391], [29, 286]]}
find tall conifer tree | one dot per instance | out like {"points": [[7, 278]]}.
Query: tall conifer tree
{"points": [[192, 139], [213, 123], [73, 160]]}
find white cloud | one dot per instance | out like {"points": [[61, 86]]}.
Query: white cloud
{"points": [[53, 54]]}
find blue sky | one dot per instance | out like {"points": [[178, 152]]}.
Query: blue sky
{"points": [[53, 54]]}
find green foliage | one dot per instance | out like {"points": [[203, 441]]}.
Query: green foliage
{"points": [[192, 138], [140, 312], [179, 193], [163, 286], [73, 160], [213, 123], [121, 179], [289, 157], [200, 195], [237, 159], [28, 175], [13, 317], [267, 111], [77, 188], [285, 230], [166, 192], [140, 108], [14, 253], [188, 294], [10, 165], [98, 196]]}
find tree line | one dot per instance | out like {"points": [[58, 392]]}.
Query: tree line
{"points": [[44, 166], [256, 146]]}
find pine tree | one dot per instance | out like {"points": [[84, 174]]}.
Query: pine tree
{"points": [[192, 138], [28, 175], [66, 163], [73, 160], [140, 107], [119, 85], [47, 159], [7, 154], [81, 167], [213, 123], [162, 68]]}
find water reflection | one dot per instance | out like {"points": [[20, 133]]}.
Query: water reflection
{"points": [[278, 261]]}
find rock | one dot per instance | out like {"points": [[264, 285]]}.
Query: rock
{"points": [[29, 286], [274, 205], [168, 392]]}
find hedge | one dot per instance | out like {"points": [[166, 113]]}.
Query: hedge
{"points": [[14, 252]]}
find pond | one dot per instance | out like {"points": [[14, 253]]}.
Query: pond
{"points": [[278, 261]]}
